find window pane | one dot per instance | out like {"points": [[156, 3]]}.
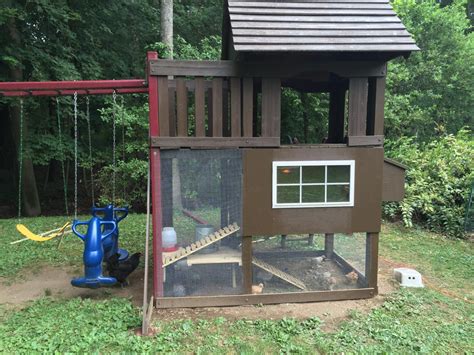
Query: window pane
{"points": [[313, 174], [288, 175], [288, 194], [339, 173], [313, 194], [338, 193]]}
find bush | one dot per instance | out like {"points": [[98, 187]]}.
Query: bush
{"points": [[439, 178]]}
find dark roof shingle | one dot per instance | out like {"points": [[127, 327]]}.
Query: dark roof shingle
{"points": [[317, 26]]}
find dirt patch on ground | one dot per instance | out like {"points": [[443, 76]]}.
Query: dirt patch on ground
{"points": [[332, 313], [55, 282]]}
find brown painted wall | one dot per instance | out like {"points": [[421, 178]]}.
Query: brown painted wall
{"points": [[259, 218], [393, 182]]}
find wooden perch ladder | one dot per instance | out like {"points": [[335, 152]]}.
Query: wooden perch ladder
{"points": [[279, 273], [222, 233]]}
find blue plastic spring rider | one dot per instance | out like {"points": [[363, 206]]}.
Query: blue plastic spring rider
{"points": [[94, 253], [116, 214], [100, 242]]}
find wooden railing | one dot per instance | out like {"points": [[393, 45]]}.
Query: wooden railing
{"points": [[205, 104]]}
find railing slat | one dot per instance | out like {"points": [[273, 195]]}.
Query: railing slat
{"points": [[209, 111], [247, 98], [235, 107], [172, 108], [182, 107], [199, 97], [163, 106], [217, 110]]}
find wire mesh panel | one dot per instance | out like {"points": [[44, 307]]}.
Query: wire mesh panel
{"points": [[352, 248], [201, 206], [296, 263]]}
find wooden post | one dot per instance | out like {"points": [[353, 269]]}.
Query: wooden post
{"points": [[372, 259], [375, 109], [311, 239], [155, 182], [283, 241], [247, 264], [329, 245], [337, 105], [271, 107], [358, 92]]}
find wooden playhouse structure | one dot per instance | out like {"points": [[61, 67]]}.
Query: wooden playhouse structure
{"points": [[258, 221], [295, 223]]}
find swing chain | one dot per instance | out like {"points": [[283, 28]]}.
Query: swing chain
{"points": [[58, 116], [114, 164], [75, 155], [20, 161], [90, 149]]}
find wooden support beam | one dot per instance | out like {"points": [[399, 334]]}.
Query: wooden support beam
{"points": [[265, 298], [372, 259], [199, 97], [329, 245], [271, 107], [375, 108], [247, 268], [214, 142], [361, 141], [182, 107], [358, 92]]}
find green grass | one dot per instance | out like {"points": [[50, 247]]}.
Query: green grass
{"points": [[408, 321], [446, 263], [29, 255]]}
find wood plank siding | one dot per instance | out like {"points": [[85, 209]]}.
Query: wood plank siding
{"points": [[208, 104], [317, 25]]}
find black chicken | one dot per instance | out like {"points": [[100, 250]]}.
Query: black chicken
{"points": [[122, 269]]}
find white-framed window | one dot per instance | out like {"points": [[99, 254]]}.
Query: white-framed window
{"points": [[314, 183]]}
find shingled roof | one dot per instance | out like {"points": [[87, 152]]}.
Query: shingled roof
{"points": [[317, 26]]}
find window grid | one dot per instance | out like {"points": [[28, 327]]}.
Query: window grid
{"points": [[300, 165]]}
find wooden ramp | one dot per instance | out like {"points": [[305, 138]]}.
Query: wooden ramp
{"points": [[170, 258], [279, 273]]}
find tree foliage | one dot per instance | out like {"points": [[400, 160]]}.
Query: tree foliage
{"points": [[431, 93], [439, 178]]}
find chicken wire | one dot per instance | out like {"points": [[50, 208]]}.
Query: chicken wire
{"points": [[202, 194], [296, 263]]}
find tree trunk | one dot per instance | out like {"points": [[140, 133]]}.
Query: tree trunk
{"points": [[167, 25], [31, 203], [167, 39]]}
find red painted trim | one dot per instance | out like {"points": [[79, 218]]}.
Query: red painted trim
{"points": [[71, 92], [72, 85], [155, 182]]}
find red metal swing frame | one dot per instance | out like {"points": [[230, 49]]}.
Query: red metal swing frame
{"points": [[108, 87]]}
